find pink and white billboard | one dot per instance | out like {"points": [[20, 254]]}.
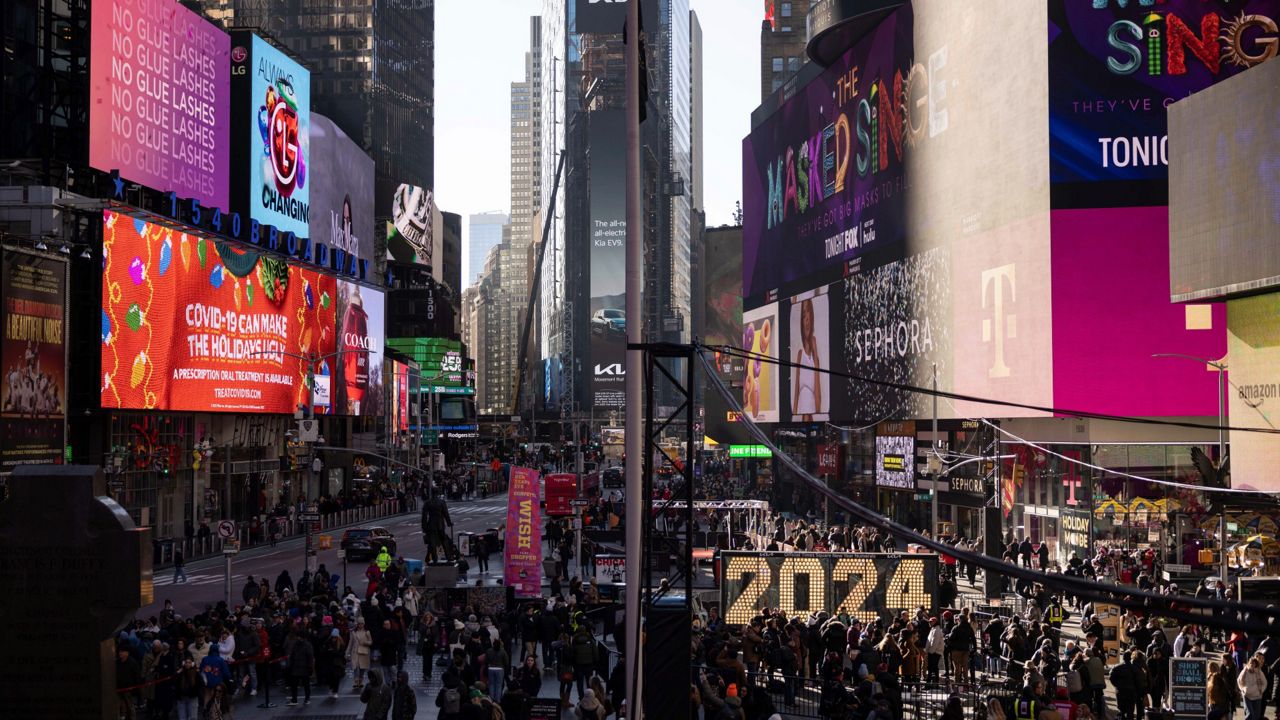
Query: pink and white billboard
{"points": [[160, 77], [522, 551]]}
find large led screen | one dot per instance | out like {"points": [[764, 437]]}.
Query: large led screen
{"points": [[823, 183], [1113, 69], [411, 232], [1224, 187], [444, 369], [760, 339], [1253, 345], [608, 259], [33, 354], [810, 332], [159, 98], [341, 191], [193, 324], [277, 112], [867, 586], [361, 317]]}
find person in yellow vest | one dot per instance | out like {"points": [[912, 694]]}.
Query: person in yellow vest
{"points": [[1055, 614], [383, 560]]}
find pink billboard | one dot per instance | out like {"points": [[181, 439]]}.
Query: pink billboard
{"points": [[160, 113], [1111, 313], [522, 553]]}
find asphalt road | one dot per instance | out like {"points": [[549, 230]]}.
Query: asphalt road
{"points": [[206, 578]]}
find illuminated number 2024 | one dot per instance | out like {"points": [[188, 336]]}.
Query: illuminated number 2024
{"points": [[906, 590], [744, 607], [855, 602]]}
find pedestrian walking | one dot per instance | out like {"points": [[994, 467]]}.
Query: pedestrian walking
{"points": [[376, 697], [179, 566], [300, 664]]}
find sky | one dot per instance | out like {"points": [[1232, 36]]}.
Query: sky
{"points": [[473, 82]]}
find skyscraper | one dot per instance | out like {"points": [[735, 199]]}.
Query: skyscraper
{"points": [[485, 233], [782, 41], [373, 74]]}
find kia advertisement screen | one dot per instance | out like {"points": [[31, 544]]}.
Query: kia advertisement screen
{"points": [[190, 323], [273, 97], [160, 103]]}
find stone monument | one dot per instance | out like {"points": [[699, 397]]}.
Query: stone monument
{"points": [[73, 570]]}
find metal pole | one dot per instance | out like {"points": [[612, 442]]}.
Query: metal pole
{"points": [[226, 577], [1222, 458], [933, 531], [637, 504]]}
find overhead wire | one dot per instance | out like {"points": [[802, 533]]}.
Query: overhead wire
{"points": [[1251, 617]]}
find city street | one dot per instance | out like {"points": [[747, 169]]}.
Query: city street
{"points": [[205, 577]]}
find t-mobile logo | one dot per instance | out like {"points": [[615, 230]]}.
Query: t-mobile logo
{"points": [[1000, 325]]}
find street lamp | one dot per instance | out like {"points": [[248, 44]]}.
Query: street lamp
{"points": [[1221, 368]]}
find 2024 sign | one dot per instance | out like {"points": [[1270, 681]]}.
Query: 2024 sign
{"points": [[865, 585]]}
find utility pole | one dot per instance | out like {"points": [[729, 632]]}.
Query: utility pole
{"points": [[637, 504]]}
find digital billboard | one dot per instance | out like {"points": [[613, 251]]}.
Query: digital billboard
{"points": [[411, 234], [160, 108], [722, 254], [823, 181], [896, 455], [1222, 234], [867, 586], [361, 317], [760, 338], [1253, 346], [272, 94], [1114, 67], [194, 324], [445, 371], [33, 391], [810, 335], [608, 233], [341, 191]]}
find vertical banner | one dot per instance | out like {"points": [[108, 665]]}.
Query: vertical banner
{"points": [[33, 393], [608, 187], [522, 555]]}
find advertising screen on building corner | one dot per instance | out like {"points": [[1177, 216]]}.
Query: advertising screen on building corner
{"points": [[189, 323], [33, 390], [159, 98]]}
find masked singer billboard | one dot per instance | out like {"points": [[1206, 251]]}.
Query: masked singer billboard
{"points": [[272, 94], [822, 181], [189, 323], [1114, 67], [33, 391], [342, 192], [160, 104]]}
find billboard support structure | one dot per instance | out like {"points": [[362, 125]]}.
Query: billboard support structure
{"points": [[636, 502]]}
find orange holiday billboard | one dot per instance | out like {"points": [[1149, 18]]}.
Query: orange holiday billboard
{"points": [[191, 323]]}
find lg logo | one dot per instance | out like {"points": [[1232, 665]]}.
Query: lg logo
{"points": [[614, 369]]}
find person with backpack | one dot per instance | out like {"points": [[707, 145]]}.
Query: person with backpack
{"points": [[376, 697], [589, 708], [449, 699], [584, 657]]}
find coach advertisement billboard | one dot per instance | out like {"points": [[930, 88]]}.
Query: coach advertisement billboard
{"points": [[1114, 67], [33, 355], [272, 96], [823, 188], [608, 258], [341, 193], [867, 586], [361, 317], [194, 324], [160, 109]]}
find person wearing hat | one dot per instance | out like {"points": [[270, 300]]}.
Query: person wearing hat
{"points": [[589, 707]]}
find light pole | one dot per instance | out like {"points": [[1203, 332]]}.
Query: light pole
{"points": [[1221, 367]]}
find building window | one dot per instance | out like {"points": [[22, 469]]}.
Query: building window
{"points": [[786, 28], [786, 9], [793, 64], [777, 83], [777, 64]]}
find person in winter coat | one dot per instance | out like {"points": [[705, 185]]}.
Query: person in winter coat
{"points": [[377, 697], [1253, 685], [248, 648], [584, 657], [1219, 693], [405, 701], [250, 591], [528, 677], [497, 660], [300, 664], [961, 640], [283, 582], [451, 697], [360, 651], [1126, 684], [332, 662], [188, 686], [934, 646], [589, 708]]}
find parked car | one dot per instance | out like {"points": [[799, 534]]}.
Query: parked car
{"points": [[608, 321], [364, 543]]}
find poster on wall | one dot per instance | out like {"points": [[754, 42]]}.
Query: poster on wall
{"points": [[810, 386], [608, 259], [411, 232], [361, 316], [760, 376], [522, 549], [272, 93], [896, 455], [341, 193], [193, 324], [160, 110], [823, 182], [1113, 69], [33, 391]]}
